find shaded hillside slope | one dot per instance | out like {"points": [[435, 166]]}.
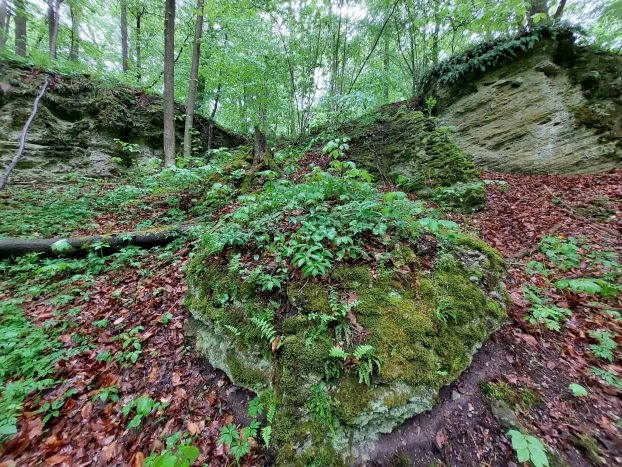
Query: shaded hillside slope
{"points": [[78, 122]]}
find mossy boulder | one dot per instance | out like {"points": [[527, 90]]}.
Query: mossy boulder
{"points": [[424, 312], [410, 149]]}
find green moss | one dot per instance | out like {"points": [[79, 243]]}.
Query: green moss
{"points": [[423, 324], [409, 148], [246, 375], [309, 296], [352, 277], [350, 399], [517, 398]]}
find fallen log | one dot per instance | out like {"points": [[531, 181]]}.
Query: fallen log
{"points": [[74, 246]]}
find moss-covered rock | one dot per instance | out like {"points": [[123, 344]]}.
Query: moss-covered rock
{"points": [[79, 121], [536, 103], [410, 149], [423, 325]]}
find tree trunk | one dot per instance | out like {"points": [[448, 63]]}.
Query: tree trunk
{"points": [[386, 63], [124, 44], [192, 87], [3, 21], [139, 70], [21, 28], [75, 12], [536, 7], [53, 17], [260, 147], [80, 245], [169, 82], [560, 10]]}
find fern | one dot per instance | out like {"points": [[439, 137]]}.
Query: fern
{"points": [[233, 329], [605, 347], [265, 326], [363, 351], [266, 435], [367, 360], [338, 352]]}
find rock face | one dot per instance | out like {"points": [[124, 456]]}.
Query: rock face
{"points": [[545, 106], [78, 122]]}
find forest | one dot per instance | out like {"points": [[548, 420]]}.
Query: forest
{"points": [[310, 233]]}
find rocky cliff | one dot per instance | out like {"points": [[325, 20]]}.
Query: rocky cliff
{"points": [[84, 126], [537, 103]]}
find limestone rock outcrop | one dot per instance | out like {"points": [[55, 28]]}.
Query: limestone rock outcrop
{"points": [[544, 106], [78, 122]]}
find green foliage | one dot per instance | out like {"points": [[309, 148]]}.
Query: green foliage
{"points": [[337, 147], [142, 407], [238, 446], [365, 361], [542, 311], [564, 254], [28, 355], [605, 347], [321, 407], [178, 453], [52, 409], [577, 390], [131, 347], [608, 377], [110, 393], [590, 286], [313, 224], [528, 449], [238, 440]]}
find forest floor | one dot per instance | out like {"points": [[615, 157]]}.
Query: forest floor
{"points": [[122, 322]]}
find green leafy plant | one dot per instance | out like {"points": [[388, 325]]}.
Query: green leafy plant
{"points": [[142, 407], [321, 407], [178, 453], [590, 286], [605, 346], [577, 390], [608, 377], [562, 253], [542, 311], [528, 449], [337, 147], [365, 361], [110, 393], [28, 354], [239, 446], [131, 347], [52, 409]]}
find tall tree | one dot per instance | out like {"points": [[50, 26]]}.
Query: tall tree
{"points": [[21, 27], [138, 10], [53, 18], [124, 44], [192, 87], [3, 21], [75, 12], [169, 82]]}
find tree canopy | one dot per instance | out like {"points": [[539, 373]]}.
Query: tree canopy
{"points": [[283, 66]]}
